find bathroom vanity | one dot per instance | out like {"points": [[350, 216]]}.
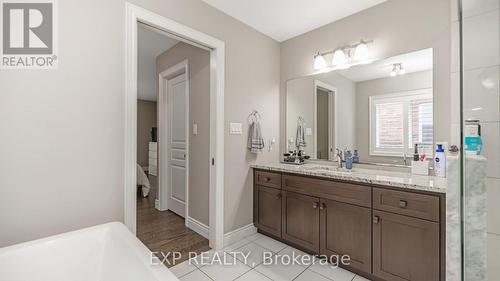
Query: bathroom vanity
{"points": [[391, 224]]}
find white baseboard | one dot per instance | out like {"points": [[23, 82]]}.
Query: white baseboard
{"points": [[197, 227], [238, 234]]}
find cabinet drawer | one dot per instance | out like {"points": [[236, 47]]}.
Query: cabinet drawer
{"points": [[338, 191], [406, 203], [269, 179]]}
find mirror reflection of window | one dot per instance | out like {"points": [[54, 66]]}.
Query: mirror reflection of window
{"points": [[398, 121]]}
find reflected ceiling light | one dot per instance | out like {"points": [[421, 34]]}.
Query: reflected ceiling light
{"points": [[394, 71], [488, 83], [319, 62], [401, 71], [361, 51], [339, 57], [397, 69]]}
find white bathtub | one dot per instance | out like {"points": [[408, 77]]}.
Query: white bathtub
{"points": [[106, 252]]}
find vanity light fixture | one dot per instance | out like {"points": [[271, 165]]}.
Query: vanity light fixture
{"points": [[344, 57], [319, 61]]}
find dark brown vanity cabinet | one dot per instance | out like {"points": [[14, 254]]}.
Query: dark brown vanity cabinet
{"points": [[267, 209], [405, 248], [388, 234], [300, 220], [406, 235], [345, 229]]}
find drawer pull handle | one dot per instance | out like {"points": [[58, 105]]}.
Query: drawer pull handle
{"points": [[376, 219], [403, 204], [322, 206], [315, 205], [278, 196]]}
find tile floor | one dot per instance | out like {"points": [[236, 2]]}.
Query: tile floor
{"points": [[254, 246]]}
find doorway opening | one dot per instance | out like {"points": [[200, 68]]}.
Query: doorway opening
{"points": [[179, 73]]}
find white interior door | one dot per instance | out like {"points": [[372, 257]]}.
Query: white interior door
{"points": [[176, 144]]}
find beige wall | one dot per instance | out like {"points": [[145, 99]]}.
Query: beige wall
{"points": [[300, 102], [146, 119], [199, 113], [365, 89], [397, 27], [62, 141]]}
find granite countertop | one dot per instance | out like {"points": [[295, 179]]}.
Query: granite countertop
{"points": [[379, 176]]}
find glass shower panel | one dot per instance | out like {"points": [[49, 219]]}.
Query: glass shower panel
{"points": [[480, 136]]}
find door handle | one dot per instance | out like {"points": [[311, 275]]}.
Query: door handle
{"points": [[315, 205], [278, 196], [322, 206], [376, 219]]}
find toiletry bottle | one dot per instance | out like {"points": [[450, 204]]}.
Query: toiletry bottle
{"points": [[440, 162], [348, 160], [355, 157], [415, 153]]}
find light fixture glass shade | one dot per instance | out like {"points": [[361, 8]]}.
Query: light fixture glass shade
{"points": [[339, 57], [319, 62], [361, 52], [401, 71], [393, 72]]}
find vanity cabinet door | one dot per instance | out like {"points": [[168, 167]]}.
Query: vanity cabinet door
{"points": [[301, 220], [267, 209], [345, 229], [405, 248]]}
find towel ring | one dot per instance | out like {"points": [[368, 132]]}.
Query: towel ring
{"points": [[254, 116]]}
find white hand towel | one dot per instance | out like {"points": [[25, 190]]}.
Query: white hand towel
{"points": [[300, 139], [255, 140]]}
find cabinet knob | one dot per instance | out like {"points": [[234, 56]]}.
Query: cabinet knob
{"points": [[403, 204], [267, 179], [315, 205], [278, 196], [376, 219], [322, 206]]}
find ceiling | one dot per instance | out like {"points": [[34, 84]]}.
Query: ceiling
{"points": [[282, 20], [412, 62], [151, 44]]}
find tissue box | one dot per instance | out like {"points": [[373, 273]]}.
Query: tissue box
{"points": [[420, 167]]}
